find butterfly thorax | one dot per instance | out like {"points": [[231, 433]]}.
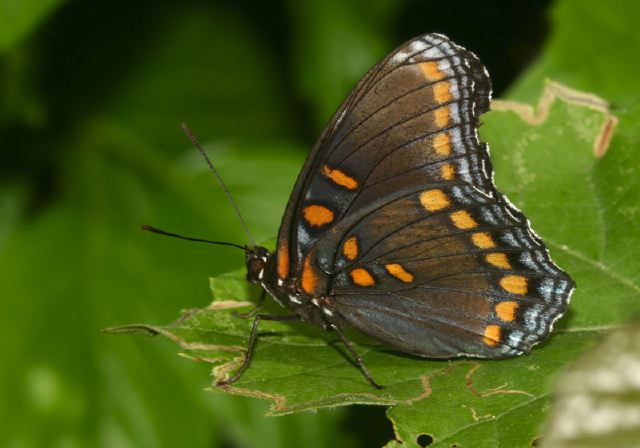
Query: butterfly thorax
{"points": [[256, 259], [261, 269]]}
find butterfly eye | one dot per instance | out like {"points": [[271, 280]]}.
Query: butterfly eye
{"points": [[255, 269]]}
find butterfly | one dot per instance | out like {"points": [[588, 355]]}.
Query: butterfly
{"points": [[395, 227]]}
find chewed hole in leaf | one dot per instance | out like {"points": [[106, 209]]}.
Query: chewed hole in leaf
{"points": [[424, 440], [359, 421]]}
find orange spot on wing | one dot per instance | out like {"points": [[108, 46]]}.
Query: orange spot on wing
{"points": [[448, 171], [492, 335], [340, 178], [483, 240], [361, 277], [317, 215], [309, 277], [399, 272], [463, 220], [498, 259], [434, 200], [442, 144], [283, 260], [507, 310], [431, 71], [515, 284], [441, 92], [442, 116], [350, 248]]}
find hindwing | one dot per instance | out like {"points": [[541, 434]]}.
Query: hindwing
{"points": [[441, 270]]}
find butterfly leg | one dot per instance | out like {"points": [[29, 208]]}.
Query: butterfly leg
{"points": [[253, 311], [252, 343], [356, 356]]}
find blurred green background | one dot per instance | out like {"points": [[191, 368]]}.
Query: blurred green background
{"points": [[92, 95]]}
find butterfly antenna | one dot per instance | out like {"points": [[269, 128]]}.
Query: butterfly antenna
{"points": [[188, 238], [196, 143]]}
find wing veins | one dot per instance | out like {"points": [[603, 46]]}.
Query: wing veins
{"points": [[379, 74], [458, 254], [335, 145], [360, 259], [527, 298], [444, 319], [370, 212], [422, 218], [404, 145], [352, 101], [463, 232], [399, 123], [418, 167], [374, 77]]}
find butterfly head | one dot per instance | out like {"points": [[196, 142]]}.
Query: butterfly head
{"points": [[257, 258]]}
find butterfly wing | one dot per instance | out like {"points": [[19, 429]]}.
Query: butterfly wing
{"points": [[409, 119], [442, 270], [396, 223]]}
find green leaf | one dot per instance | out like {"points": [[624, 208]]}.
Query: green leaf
{"points": [[555, 163], [592, 47], [19, 18], [76, 261], [597, 402], [336, 43]]}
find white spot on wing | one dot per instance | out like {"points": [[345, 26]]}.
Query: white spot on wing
{"points": [[453, 89], [445, 67], [408, 54], [531, 317], [417, 46], [456, 139], [434, 53], [463, 167], [487, 216], [515, 338], [546, 288], [454, 112], [527, 260]]}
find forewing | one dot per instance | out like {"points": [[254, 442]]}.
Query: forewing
{"points": [[411, 119]]}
